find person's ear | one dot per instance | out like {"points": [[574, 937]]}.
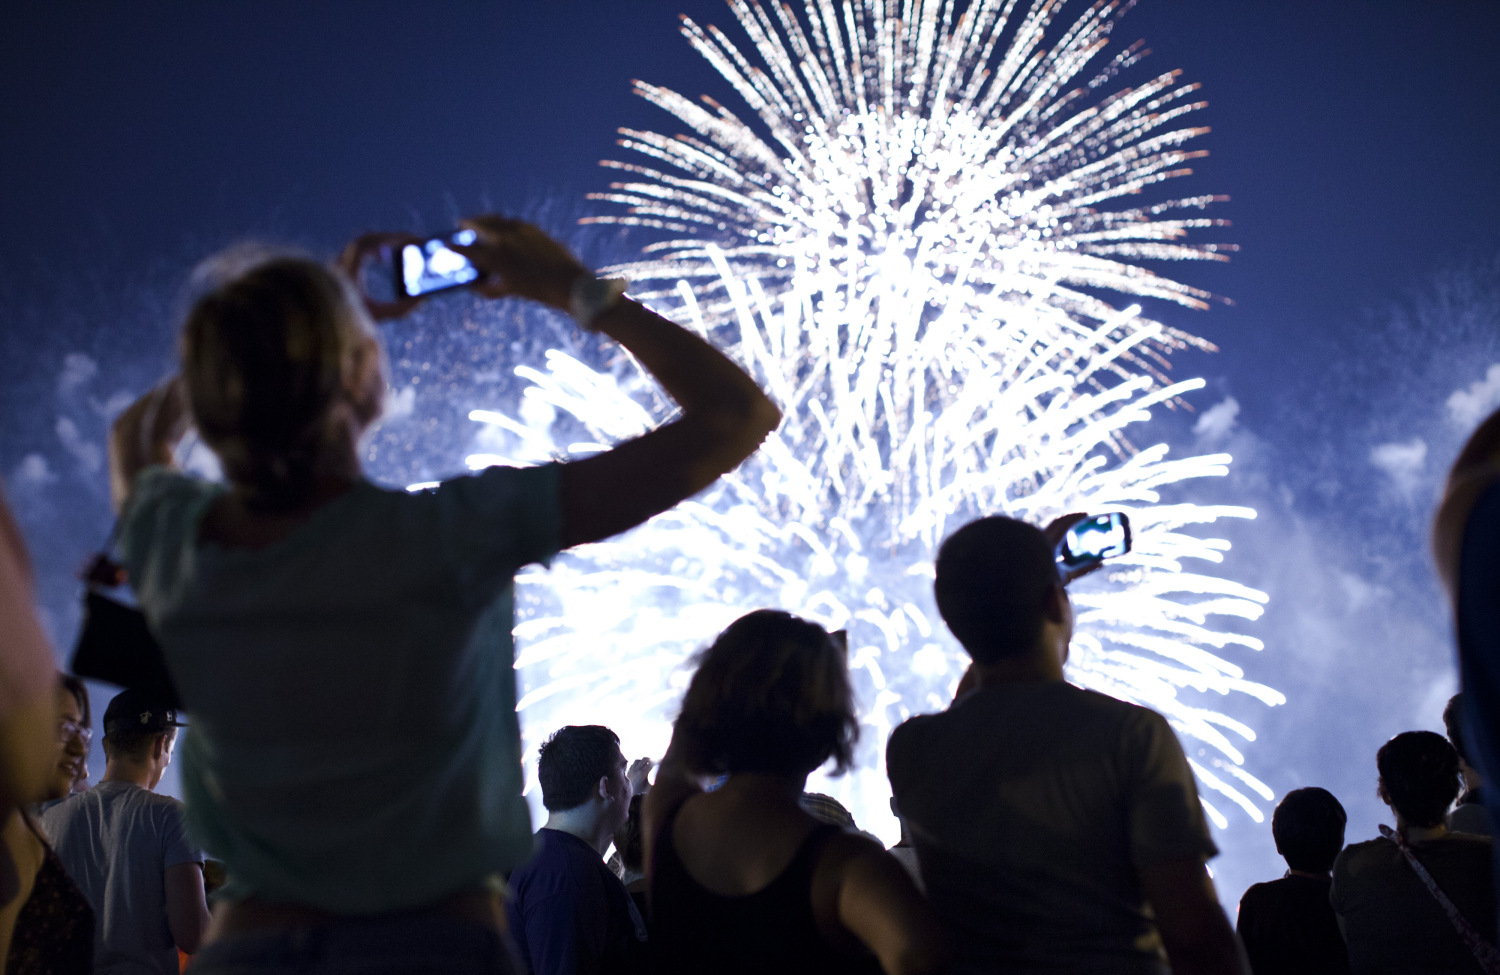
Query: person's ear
{"points": [[1055, 604], [1380, 792], [159, 747], [364, 386], [604, 788]]}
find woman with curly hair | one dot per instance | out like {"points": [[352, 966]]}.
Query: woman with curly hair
{"points": [[743, 879]]}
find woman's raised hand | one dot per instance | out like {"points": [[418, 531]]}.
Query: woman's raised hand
{"points": [[376, 246], [147, 433], [520, 260]]}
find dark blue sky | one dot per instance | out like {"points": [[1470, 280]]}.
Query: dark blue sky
{"points": [[1359, 141]]}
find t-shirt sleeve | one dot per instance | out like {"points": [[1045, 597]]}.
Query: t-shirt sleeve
{"points": [[1166, 819], [493, 523], [158, 526], [176, 847]]}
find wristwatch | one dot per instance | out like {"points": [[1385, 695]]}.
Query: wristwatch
{"points": [[592, 297]]}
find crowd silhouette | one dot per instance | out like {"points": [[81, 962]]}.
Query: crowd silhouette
{"points": [[352, 785]]}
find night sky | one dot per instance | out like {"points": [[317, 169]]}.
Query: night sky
{"points": [[1359, 143]]}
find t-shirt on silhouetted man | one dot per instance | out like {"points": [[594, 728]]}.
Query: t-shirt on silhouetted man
{"points": [[1057, 829]]}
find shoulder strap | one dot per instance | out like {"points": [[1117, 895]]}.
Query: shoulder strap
{"points": [[1484, 952]]}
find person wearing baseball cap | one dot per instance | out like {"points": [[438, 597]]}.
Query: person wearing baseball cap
{"points": [[126, 846]]}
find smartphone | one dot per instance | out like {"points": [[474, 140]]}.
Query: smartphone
{"points": [[1094, 539], [432, 265]]}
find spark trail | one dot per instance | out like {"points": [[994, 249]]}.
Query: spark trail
{"points": [[906, 241]]}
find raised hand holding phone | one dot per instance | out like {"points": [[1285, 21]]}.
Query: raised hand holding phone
{"points": [[432, 265], [1083, 542], [520, 260]]}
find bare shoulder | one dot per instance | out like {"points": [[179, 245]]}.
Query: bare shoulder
{"points": [[846, 852]]}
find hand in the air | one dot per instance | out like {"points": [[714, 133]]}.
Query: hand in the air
{"points": [[520, 260], [1055, 531], [376, 246], [637, 775]]}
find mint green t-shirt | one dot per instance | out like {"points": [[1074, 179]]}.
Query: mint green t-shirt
{"points": [[353, 741]]}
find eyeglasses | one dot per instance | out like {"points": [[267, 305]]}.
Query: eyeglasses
{"points": [[68, 730]]}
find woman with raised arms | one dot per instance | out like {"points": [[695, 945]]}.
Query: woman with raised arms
{"points": [[343, 650]]}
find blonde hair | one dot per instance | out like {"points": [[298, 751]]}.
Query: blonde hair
{"points": [[269, 353]]}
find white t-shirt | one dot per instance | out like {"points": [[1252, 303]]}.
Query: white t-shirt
{"points": [[353, 743], [1032, 806], [116, 841]]}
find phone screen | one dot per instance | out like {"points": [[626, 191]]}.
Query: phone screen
{"points": [[1096, 538], [432, 265]]}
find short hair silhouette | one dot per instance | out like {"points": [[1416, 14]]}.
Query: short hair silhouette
{"points": [[1419, 770], [571, 763], [1453, 723], [1308, 826], [993, 576], [772, 695]]}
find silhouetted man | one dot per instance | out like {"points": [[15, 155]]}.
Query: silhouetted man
{"points": [[568, 912], [1058, 829], [126, 848], [1288, 925]]}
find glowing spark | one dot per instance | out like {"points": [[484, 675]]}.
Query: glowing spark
{"points": [[910, 263]]}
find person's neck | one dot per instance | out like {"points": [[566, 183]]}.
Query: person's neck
{"points": [[585, 822], [135, 773], [1310, 874], [330, 483], [1043, 664], [1419, 834], [762, 789]]}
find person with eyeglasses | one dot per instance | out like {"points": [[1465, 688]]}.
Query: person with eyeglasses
{"points": [[127, 847], [345, 649], [74, 736], [54, 926]]}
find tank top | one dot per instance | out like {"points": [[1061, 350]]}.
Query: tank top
{"points": [[54, 932], [694, 929]]}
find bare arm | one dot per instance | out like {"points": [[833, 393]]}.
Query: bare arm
{"points": [[725, 416], [879, 905], [145, 434], [1194, 930], [187, 906], [678, 778], [28, 697]]}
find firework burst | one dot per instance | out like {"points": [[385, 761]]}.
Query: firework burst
{"points": [[907, 244]]}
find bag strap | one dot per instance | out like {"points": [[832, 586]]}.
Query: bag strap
{"points": [[1485, 953], [101, 570]]}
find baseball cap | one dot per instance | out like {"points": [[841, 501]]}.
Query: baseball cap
{"points": [[137, 709]]}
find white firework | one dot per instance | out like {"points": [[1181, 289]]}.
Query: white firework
{"points": [[906, 245]]}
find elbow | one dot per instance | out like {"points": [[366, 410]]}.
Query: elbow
{"points": [[743, 422], [190, 940], [921, 956], [764, 417], [757, 415]]}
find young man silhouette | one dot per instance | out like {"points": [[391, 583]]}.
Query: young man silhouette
{"points": [[568, 913], [1058, 829]]}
